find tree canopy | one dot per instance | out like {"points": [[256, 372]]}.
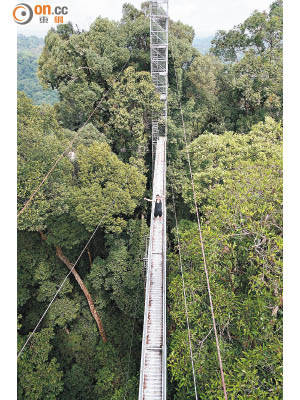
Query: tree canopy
{"points": [[231, 100]]}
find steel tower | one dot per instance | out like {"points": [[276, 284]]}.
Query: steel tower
{"points": [[159, 64]]}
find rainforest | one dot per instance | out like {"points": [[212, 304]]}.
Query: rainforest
{"points": [[88, 346]]}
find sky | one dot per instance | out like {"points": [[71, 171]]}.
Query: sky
{"points": [[206, 17]]}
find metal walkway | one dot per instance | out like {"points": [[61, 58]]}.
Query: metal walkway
{"points": [[153, 372], [153, 359]]}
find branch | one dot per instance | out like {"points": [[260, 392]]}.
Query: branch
{"points": [[93, 310], [90, 257]]}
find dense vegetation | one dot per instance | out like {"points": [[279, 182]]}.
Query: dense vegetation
{"points": [[29, 50], [232, 104]]}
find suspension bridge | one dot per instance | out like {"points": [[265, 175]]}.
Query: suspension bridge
{"points": [[153, 375], [153, 367]]}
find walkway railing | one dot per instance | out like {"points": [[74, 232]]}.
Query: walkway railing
{"points": [[153, 372]]}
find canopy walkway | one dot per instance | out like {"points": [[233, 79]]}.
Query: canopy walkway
{"points": [[153, 369], [153, 359], [153, 375]]}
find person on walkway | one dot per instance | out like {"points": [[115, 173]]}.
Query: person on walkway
{"points": [[158, 206]]}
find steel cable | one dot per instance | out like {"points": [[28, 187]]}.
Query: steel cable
{"points": [[64, 280], [131, 342], [200, 232], [184, 294], [68, 147]]}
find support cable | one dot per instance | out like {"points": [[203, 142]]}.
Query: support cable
{"points": [[184, 294], [131, 342], [64, 281], [69, 146], [200, 233]]}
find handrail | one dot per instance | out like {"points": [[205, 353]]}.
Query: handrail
{"points": [[149, 266], [147, 294], [164, 347], [146, 303]]}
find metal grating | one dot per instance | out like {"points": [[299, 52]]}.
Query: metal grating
{"points": [[153, 374]]}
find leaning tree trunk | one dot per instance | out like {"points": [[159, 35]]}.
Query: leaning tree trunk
{"points": [[94, 313]]}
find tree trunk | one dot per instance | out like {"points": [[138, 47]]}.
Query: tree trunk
{"points": [[94, 313], [90, 257]]}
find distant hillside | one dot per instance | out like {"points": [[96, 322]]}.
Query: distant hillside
{"points": [[203, 43], [29, 50], [30, 44]]}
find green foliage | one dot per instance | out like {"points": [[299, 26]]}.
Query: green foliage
{"points": [[67, 217], [117, 279], [201, 95], [234, 95], [231, 101], [80, 67], [78, 102], [65, 210], [106, 188], [39, 377], [40, 142], [29, 49], [260, 32], [30, 44], [119, 275], [77, 383], [252, 89], [39, 274], [131, 105], [213, 157], [102, 185], [135, 26], [84, 76], [242, 231], [251, 83]]}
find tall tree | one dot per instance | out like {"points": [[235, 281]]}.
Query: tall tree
{"points": [[242, 233], [250, 86]]}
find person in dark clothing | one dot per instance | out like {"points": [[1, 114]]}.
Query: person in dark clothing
{"points": [[158, 206]]}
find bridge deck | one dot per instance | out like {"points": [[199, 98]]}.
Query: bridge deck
{"points": [[153, 361]]}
